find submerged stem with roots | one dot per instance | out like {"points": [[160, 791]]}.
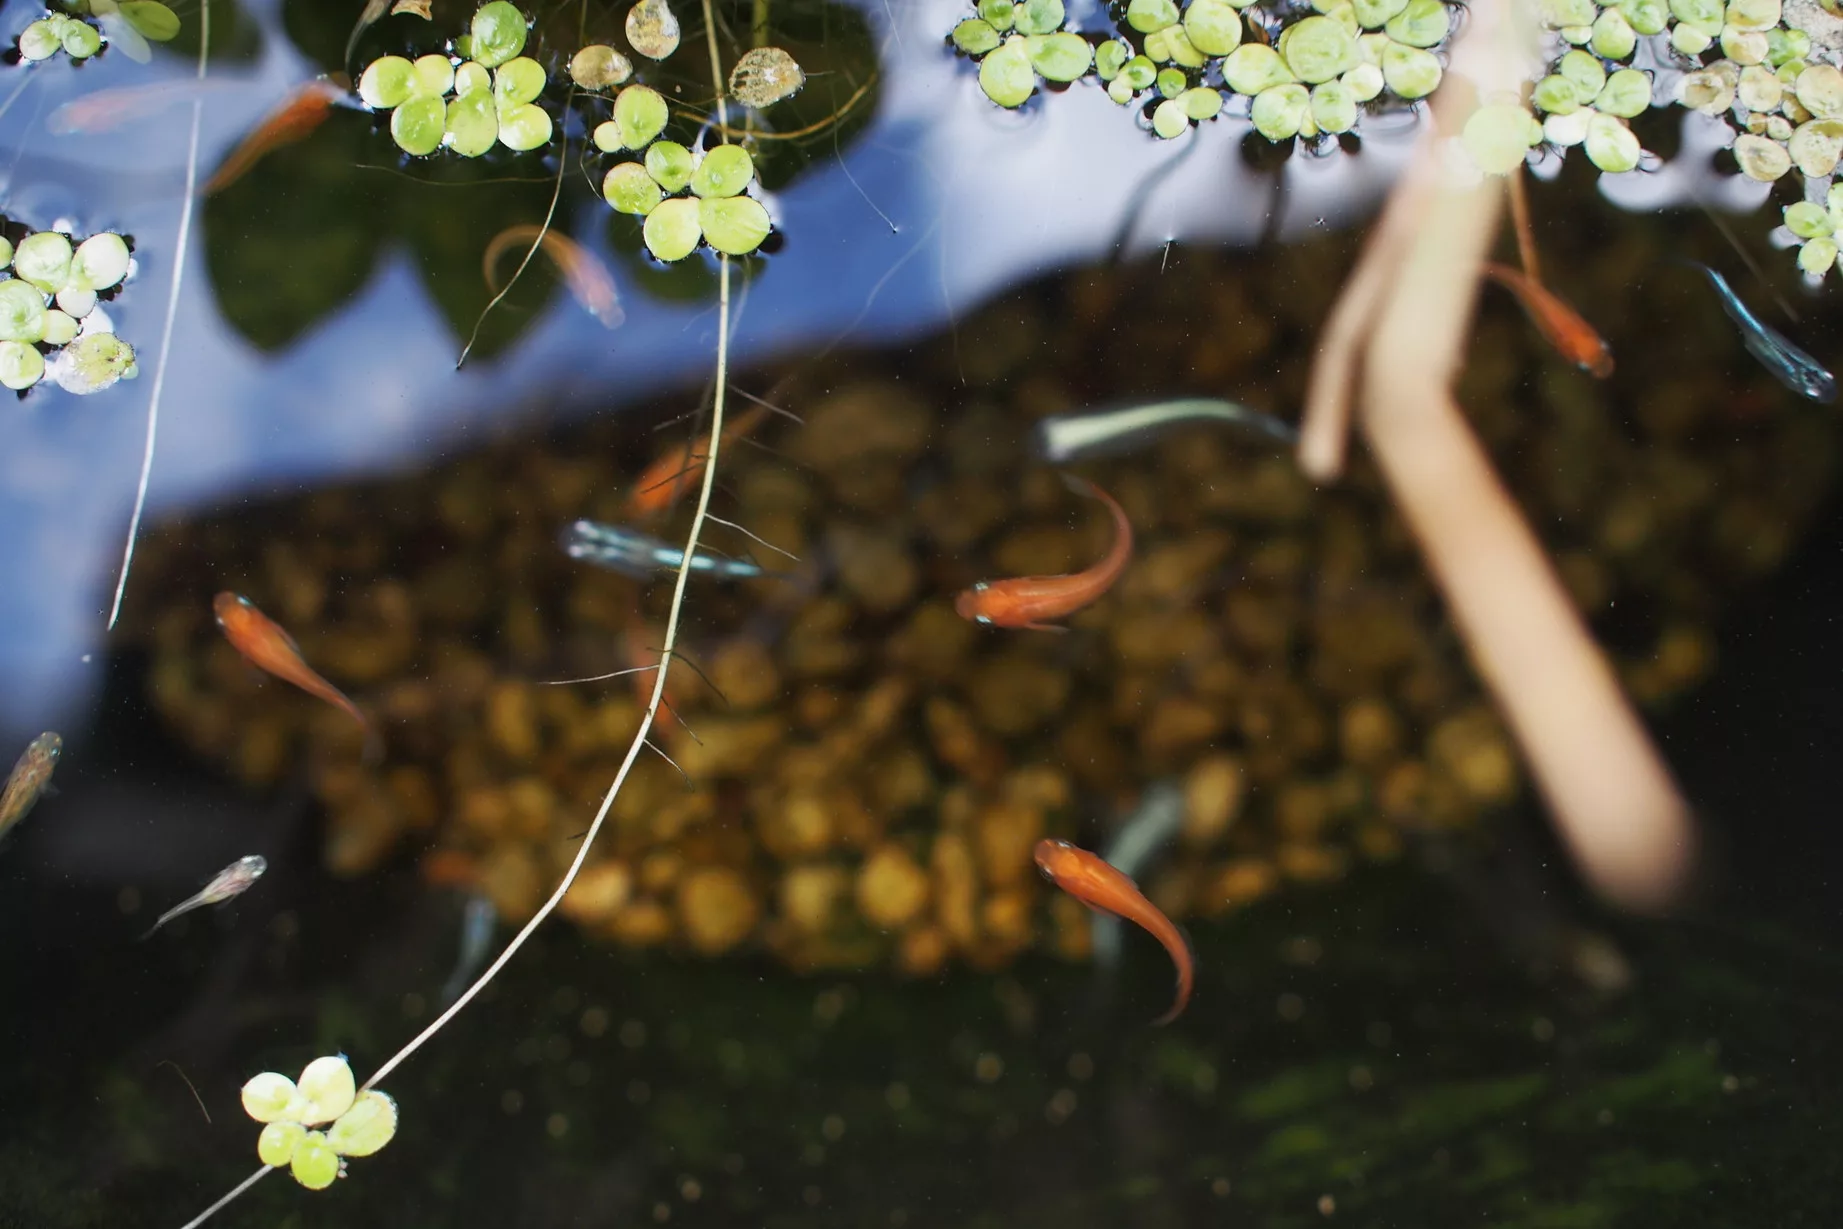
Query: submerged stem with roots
{"points": [[640, 740]]}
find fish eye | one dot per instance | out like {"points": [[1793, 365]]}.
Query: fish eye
{"points": [[981, 586], [985, 620]]}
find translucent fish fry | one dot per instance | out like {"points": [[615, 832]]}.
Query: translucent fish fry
{"points": [[29, 779], [234, 880]]}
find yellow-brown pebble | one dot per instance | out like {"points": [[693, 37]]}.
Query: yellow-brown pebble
{"points": [[716, 908], [892, 888], [1213, 793]]}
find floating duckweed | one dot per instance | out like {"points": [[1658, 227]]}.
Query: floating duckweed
{"points": [[1110, 57], [1626, 93], [497, 33], [6, 251], [417, 125], [1779, 128], [100, 261], [60, 328], [74, 301], [518, 81], [1411, 72], [1319, 48], [1169, 120], [1820, 91], [1497, 136], [386, 82], [1364, 82], [268, 1096], [1578, 35], [22, 311], [473, 77], [524, 127], [328, 1089], [1648, 17], [764, 76], [1254, 68], [1201, 103], [1816, 147], [366, 1127], [472, 123], [1753, 14], [315, 1165], [432, 75], [607, 137], [1006, 75], [640, 114], [652, 29], [1213, 26], [1760, 88], [1138, 73], [1761, 158], [672, 230], [1038, 16], [1744, 46], [1569, 129], [670, 164], [1334, 107], [80, 40], [1280, 111], [1613, 36], [1423, 23], [21, 366], [1784, 46], [276, 1144], [1172, 46], [598, 66], [1373, 14], [1172, 82], [1059, 57], [1561, 14], [1690, 40], [1148, 16], [975, 36], [735, 225], [1808, 220], [44, 260], [150, 18], [629, 189], [41, 40], [92, 363], [1817, 256], [997, 13], [1555, 95], [1610, 145], [725, 171], [1708, 90]]}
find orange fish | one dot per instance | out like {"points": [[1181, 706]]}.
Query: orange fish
{"points": [[1028, 600], [1572, 337], [659, 487], [269, 648], [105, 110], [305, 110], [587, 277], [1099, 886]]}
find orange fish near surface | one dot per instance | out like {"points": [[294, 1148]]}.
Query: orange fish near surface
{"points": [[304, 111], [266, 646], [1099, 886], [587, 277], [681, 469], [1027, 601], [1573, 338]]}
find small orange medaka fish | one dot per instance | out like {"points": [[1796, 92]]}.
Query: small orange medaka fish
{"points": [[1099, 886]]}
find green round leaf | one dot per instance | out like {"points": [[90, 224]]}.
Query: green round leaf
{"points": [[61, 327], [1818, 256], [417, 125], [975, 37], [1201, 103], [640, 112], [1613, 147], [997, 13], [1626, 93], [607, 137], [1038, 16], [100, 261], [735, 225], [1820, 90], [1253, 68], [41, 40], [74, 301], [1648, 17], [629, 189], [1006, 75], [1365, 81], [366, 1127], [524, 127], [81, 40], [268, 1096], [672, 229], [1373, 14], [92, 363], [518, 81], [1423, 23], [1613, 36], [1172, 82], [1319, 48], [498, 33], [44, 260], [670, 164], [1213, 26], [1410, 72], [1280, 111], [1334, 107], [1138, 73], [431, 76], [314, 1165], [151, 18], [598, 66], [1585, 70], [386, 82], [21, 366], [472, 123], [1060, 57], [725, 171], [1110, 57], [1815, 146], [1555, 95], [1169, 120], [1497, 136], [1808, 220], [473, 77], [275, 1146], [1147, 16]]}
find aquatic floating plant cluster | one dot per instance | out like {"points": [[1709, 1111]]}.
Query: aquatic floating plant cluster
{"points": [[715, 210], [127, 24], [1313, 78], [48, 307], [361, 1122], [489, 97]]}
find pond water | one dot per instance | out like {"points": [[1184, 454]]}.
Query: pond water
{"points": [[810, 975]]}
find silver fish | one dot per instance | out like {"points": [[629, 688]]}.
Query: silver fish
{"points": [[477, 923], [1067, 437], [30, 778], [642, 556], [233, 880], [1791, 366], [1147, 830]]}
